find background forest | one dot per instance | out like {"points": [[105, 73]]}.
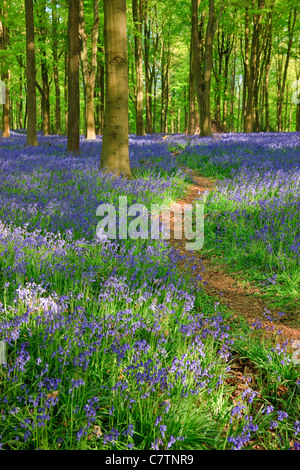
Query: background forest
{"points": [[251, 74]]}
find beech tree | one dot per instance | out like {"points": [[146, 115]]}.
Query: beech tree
{"points": [[137, 13], [115, 146], [203, 80], [89, 68], [30, 74], [4, 34], [73, 77]]}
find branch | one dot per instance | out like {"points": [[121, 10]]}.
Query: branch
{"points": [[39, 88]]}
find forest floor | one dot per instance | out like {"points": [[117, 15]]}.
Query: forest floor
{"points": [[230, 289]]}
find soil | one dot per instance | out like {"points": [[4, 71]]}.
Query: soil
{"points": [[244, 299]]}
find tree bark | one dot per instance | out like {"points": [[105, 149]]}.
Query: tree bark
{"points": [[30, 73], [298, 118], [89, 69], [55, 22], [297, 102], [202, 84], [99, 94], [137, 13], [291, 27], [193, 123], [115, 146], [267, 75], [148, 83], [218, 76], [227, 52], [73, 77], [45, 96], [66, 89], [45, 89], [254, 67], [20, 116], [6, 73]]}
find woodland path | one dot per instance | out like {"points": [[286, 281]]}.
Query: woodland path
{"points": [[240, 297]]}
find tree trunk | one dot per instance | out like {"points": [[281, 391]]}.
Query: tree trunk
{"points": [[254, 68], [55, 22], [154, 103], [205, 126], [218, 76], [45, 96], [298, 117], [100, 95], [148, 83], [291, 26], [30, 72], [202, 84], [225, 95], [115, 146], [297, 102], [193, 124], [267, 75], [20, 116], [89, 70], [137, 13], [6, 107], [6, 74], [232, 88], [45, 89], [66, 90], [166, 93], [73, 77]]}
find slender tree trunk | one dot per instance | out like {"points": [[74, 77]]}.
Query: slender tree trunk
{"points": [[45, 89], [166, 93], [89, 70], [286, 108], [137, 13], [100, 95], [232, 88], [66, 90], [267, 79], [192, 125], [20, 117], [178, 121], [225, 95], [148, 83], [254, 68], [291, 27], [55, 22], [298, 117], [202, 85], [297, 104], [6, 73], [219, 76], [30, 72], [115, 146], [6, 107], [185, 112], [205, 126], [73, 77], [45, 96], [239, 109], [154, 102]]}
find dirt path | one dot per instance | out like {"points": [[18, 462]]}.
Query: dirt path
{"points": [[244, 300]]}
